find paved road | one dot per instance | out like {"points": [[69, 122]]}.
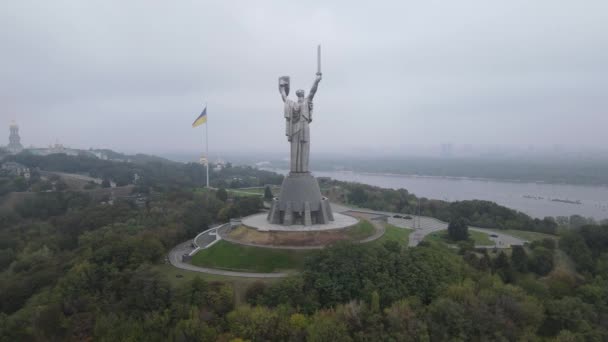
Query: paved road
{"points": [[373, 219], [339, 208], [428, 225]]}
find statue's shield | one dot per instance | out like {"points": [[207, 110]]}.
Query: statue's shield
{"points": [[284, 83]]}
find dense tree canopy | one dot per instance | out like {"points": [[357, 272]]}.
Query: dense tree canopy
{"points": [[458, 230], [147, 171], [74, 266]]}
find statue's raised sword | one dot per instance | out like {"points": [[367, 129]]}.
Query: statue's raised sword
{"points": [[319, 59]]}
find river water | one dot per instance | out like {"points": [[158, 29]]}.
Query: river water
{"points": [[534, 199]]}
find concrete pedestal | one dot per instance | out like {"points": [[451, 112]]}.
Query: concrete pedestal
{"points": [[300, 202]]}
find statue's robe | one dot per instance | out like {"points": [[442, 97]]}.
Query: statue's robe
{"points": [[298, 115]]}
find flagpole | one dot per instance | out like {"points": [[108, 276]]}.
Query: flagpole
{"points": [[207, 145]]}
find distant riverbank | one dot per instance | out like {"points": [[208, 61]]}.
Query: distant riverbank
{"points": [[574, 170], [535, 199]]}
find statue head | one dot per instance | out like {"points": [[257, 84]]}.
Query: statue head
{"points": [[300, 93]]}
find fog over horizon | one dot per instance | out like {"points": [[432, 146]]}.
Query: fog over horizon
{"points": [[397, 76]]}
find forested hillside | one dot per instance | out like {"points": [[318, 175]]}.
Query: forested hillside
{"points": [[146, 172], [74, 267]]}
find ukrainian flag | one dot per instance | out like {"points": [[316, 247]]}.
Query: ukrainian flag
{"points": [[201, 118]]}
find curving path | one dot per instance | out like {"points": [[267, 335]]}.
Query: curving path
{"points": [[426, 225], [207, 238]]}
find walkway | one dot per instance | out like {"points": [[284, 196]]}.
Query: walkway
{"points": [[426, 226], [207, 238]]}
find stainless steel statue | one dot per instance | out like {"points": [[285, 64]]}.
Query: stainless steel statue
{"points": [[300, 201], [298, 115]]}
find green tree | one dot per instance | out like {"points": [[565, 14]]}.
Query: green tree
{"points": [[542, 260], [568, 313], [247, 205], [20, 184], [375, 302], [222, 194], [255, 291], [258, 323], [60, 185], [458, 230], [503, 268], [519, 259], [267, 193], [404, 322], [358, 196], [448, 321], [574, 245], [325, 326]]}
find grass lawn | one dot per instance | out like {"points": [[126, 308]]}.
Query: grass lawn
{"points": [[530, 236], [526, 235], [259, 191], [229, 256], [394, 233], [245, 192], [204, 190], [481, 239], [362, 230]]}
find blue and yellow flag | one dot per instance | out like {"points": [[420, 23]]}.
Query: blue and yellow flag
{"points": [[201, 118]]}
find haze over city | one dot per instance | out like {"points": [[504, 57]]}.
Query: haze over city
{"points": [[303, 170], [395, 75]]}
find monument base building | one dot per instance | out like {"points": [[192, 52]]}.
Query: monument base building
{"points": [[300, 202]]}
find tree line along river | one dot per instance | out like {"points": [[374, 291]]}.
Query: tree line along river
{"points": [[535, 199]]}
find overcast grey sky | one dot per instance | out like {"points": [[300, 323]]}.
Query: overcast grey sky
{"points": [[133, 75]]}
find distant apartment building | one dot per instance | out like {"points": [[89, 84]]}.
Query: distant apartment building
{"points": [[99, 154], [16, 169], [54, 149], [220, 164]]}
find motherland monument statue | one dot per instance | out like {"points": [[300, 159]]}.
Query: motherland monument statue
{"points": [[300, 200]]}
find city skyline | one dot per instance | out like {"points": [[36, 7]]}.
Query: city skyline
{"points": [[515, 74], [439, 150]]}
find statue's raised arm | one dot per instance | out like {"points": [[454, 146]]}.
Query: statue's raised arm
{"points": [[315, 85], [284, 87]]}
